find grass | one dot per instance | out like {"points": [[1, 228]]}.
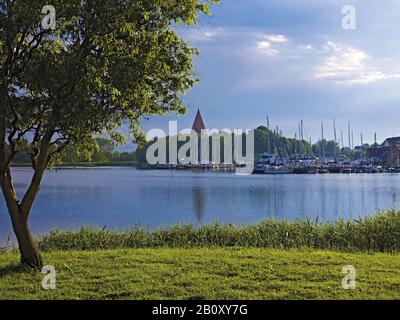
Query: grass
{"points": [[269, 260], [380, 233], [204, 273]]}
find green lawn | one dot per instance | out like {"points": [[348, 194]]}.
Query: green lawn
{"points": [[204, 274]]}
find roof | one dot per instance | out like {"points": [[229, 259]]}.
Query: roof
{"points": [[394, 141], [198, 123]]}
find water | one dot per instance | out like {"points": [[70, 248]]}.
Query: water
{"points": [[120, 198]]}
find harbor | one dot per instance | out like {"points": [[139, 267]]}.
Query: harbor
{"points": [[275, 153], [269, 164]]}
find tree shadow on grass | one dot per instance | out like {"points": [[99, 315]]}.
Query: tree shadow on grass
{"points": [[14, 269]]}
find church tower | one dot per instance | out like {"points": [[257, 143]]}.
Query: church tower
{"points": [[198, 123]]}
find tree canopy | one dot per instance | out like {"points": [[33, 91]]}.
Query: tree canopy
{"points": [[106, 63]]}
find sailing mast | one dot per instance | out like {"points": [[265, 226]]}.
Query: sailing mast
{"points": [[349, 128], [352, 140], [335, 136], [362, 147], [322, 141], [341, 136], [268, 137]]}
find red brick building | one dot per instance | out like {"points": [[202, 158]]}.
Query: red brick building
{"points": [[388, 153]]}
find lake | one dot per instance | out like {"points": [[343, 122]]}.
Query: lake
{"points": [[119, 198]]}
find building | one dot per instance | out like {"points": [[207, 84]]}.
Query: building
{"points": [[388, 153], [198, 123], [198, 126]]}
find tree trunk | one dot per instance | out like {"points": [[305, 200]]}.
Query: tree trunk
{"points": [[19, 211], [30, 255]]}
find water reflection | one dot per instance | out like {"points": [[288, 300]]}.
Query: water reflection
{"points": [[198, 202], [123, 197]]}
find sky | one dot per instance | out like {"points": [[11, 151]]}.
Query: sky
{"points": [[292, 60]]}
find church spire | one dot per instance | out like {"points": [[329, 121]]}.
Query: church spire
{"points": [[198, 123]]}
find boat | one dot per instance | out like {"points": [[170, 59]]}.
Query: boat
{"points": [[259, 169], [312, 170], [375, 169], [322, 170], [334, 169], [278, 170], [346, 170], [266, 158], [300, 170]]}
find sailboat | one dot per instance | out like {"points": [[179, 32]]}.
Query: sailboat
{"points": [[284, 169]]}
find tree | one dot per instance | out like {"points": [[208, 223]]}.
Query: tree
{"points": [[326, 148], [107, 62]]}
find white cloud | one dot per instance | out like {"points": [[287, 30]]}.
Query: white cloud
{"points": [[266, 47], [269, 42], [348, 65], [204, 34], [241, 38], [276, 38], [305, 47]]}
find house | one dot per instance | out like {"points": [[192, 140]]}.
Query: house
{"points": [[388, 153]]}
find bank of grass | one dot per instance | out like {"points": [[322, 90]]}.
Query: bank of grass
{"points": [[379, 233], [269, 260], [204, 273]]}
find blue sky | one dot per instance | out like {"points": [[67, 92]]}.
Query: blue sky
{"points": [[292, 60]]}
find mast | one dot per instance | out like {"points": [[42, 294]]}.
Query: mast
{"points": [[349, 128], [302, 130], [362, 147], [268, 142], [298, 142], [341, 136], [352, 140], [335, 136], [322, 141], [334, 130]]}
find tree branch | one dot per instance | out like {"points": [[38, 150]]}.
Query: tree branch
{"points": [[41, 165]]}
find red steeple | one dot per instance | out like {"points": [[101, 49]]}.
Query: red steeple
{"points": [[198, 123]]}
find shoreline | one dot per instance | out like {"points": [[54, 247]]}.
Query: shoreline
{"points": [[375, 233], [378, 233], [269, 260]]}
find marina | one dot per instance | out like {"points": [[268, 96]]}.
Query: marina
{"points": [[269, 164], [276, 154]]}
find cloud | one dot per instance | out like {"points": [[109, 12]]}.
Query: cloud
{"points": [[300, 61], [242, 39], [348, 65], [278, 38], [204, 34], [305, 47], [269, 42], [266, 47]]}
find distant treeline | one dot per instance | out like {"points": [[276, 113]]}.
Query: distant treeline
{"points": [[105, 151], [268, 141], [102, 151]]}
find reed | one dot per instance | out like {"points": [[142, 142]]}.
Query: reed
{"points": [[379, 233]]}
